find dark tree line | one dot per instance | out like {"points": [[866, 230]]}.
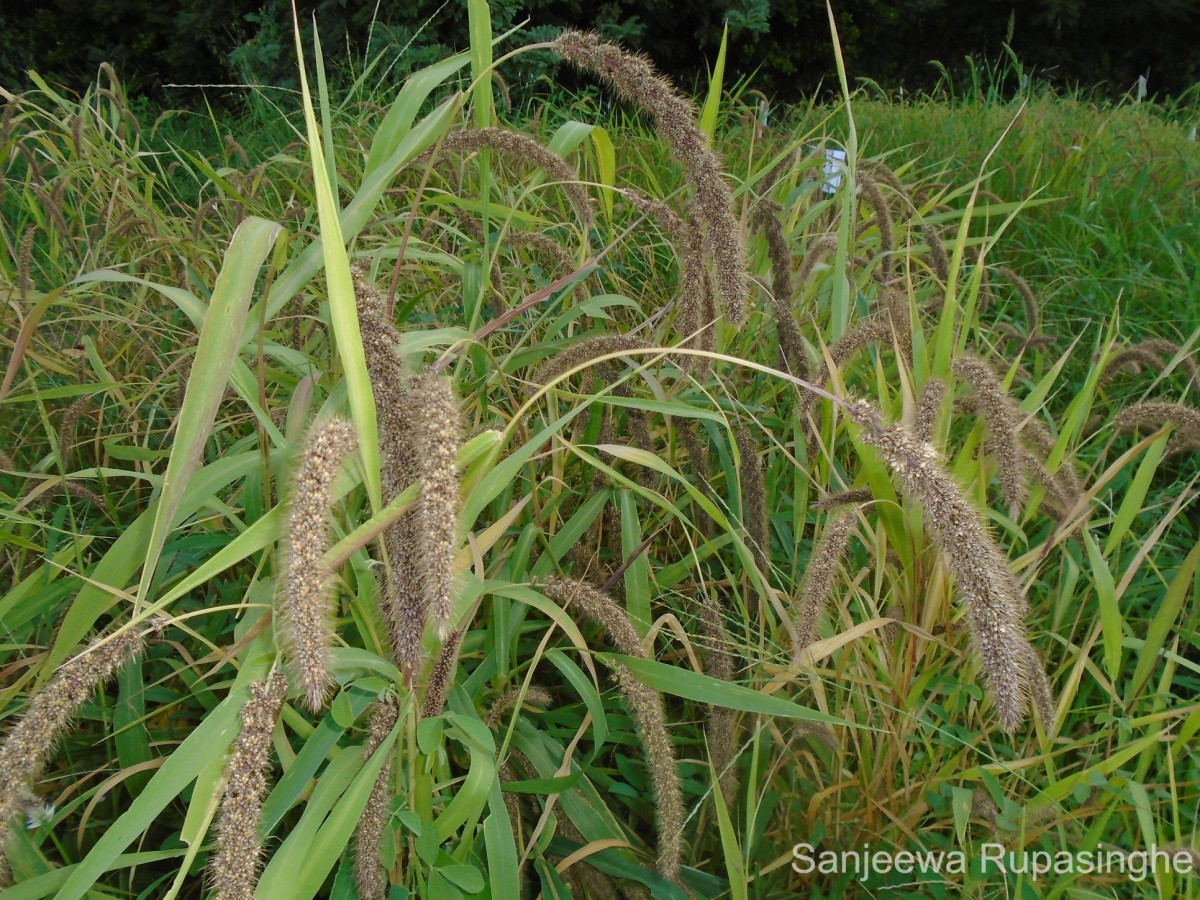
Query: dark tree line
{"points": [[1103, 44]]}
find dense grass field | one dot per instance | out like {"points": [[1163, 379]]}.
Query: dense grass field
{"points": [[418, 495]]}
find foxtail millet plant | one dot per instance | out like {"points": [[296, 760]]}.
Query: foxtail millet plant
{"points": [[1151, 355], [633, 77], [938, 259], [1184, 420], [883, 219], [1033, 309], [1003, 419], [369, 875], [753, 494], [441, 676], [305, 617], [233, 871], [436, 424], [816, 587], [694, 294], [994, 602], [29, 745], [581, 353], [844, 498], [719, 729], [791, 343], [929, 407], [869, 331], [815, 254], [646, 706]]}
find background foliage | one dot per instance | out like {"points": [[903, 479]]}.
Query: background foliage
{"points": [[1101, 44]]}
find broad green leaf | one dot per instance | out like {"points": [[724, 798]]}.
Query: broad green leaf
{"points": [[706, 689], [215, 353]]}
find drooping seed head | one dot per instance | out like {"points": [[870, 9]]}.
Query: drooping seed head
{"points": [[819, 577], [31, 742], [1033, 312], [369, 874], [1157, 413], [233, 872], [1003, 418], [791, 344], [937, 252], [305, 615], [883, 219], [633, 77], [929, 407], [585, 351], [993, 601], [646, 706], [752, 487]]}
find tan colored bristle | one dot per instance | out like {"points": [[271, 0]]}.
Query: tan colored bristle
{"points": [[1155, 414], [635, 79], [690, 433], [694, 295], [648, 713], [844, 498], [1151, 355], [985, 583], [233, 148], [868, 331], [929, 407], [1039, 686], [437, 433], [369, 875], [719, 729], [441, 677], [389, 386], [25, 265], [752, 488], [880, 172], [305, 616], [819, 577], [1033, 314], [883, 219], [502, 87], [522, 148], [937, 252], [507, 702], [1002, 417], [233, 872], [818, 251], [892, 304], [28, 746], [66, 426], [1031, 341], [1066, 483]]}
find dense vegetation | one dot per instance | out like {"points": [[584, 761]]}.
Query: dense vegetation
{"points": [[426, 496]]}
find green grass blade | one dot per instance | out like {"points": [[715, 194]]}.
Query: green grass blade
{"points": [[342, 308]]}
